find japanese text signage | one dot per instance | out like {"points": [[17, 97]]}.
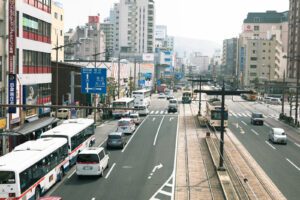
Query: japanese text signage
{"points": [[11, 34], [12, 92], [93, 80]]}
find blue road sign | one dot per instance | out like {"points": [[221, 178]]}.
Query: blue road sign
{"points": [[12, 86], [158, 82], [93, 80], [142, 82]]}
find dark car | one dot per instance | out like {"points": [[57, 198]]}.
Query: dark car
{"points": [[116, 140], [257, 119]]}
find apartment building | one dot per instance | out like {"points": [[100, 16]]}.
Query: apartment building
{"points": [[57, 31], [199, 62], [293, 40], [261, 26], [134, 25], [229, 60], [108, 29]]}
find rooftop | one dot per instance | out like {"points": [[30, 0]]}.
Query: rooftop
{"points": [[267, 17]]}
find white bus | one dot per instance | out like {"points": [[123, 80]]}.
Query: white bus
{"points": [[80, 134], [122, 103], [142, 97], [213, 113], [32, 168]]}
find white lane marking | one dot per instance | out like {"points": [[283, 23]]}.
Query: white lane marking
{"points": [[161, 112], [268, 143], [256, 133], [156, 167], [171, 118], [293, 164], [169, 185], [230, 114], [108, 173], [267, 124], [244, 114], [149, 177], [244, 123], [136, 130], [71, 174], [248, 115], [156, 112], [298, 145], [93, 198], [239, 114], [154, 142], [102, 143], [165, 193], [166, 112], [234, 114], [152, 112], [153, 119]]}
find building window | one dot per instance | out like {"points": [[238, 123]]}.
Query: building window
{"points": [[252, 74], [253, 44], [55, 15], [61, 32], [61, 17], [253, 51], [256, 28], [253, 66], [36, 62], [253, 58], [264, 44]]}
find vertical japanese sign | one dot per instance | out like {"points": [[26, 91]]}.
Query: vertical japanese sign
{"points": [[12, 86], [11, 34]]}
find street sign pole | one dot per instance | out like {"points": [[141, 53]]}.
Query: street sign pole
{"points": [[221, 163]]}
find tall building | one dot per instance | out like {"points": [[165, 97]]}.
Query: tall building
{"points": [[199, 62], [269, 25], [57, 30], [293, 40], [230, 59], [162, 40], [91, 38], [134, 25], [108, 29]]}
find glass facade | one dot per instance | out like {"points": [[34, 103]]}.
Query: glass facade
{"points": [[36, 62]]}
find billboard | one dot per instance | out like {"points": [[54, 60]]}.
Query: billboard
{"points": [[148, 57], [12, 92], [11, 34]]}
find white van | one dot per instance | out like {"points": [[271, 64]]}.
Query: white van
{"points": [[126, 125], [275, 101], [91, 161]]}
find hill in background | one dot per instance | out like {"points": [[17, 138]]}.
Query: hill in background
{"points": [[189, 45]]}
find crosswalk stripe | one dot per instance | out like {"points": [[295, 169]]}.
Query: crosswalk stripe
{"points": [[244, 114], [234, 114], [156, 112], [166, 112], [230, 114], [161, 112], [152, 112], [239, 114], [248, 114]]}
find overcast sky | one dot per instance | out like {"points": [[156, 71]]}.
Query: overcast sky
{"points": [[212, 20]]}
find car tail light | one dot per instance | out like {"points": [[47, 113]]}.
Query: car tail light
{"points": [[11, 194]]}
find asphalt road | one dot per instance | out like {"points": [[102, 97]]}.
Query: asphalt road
{"points": [[280, 162], [136, 172]]}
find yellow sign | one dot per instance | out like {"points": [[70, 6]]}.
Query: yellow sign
{"points": [[2, 123]]}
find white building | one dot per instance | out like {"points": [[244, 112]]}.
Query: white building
{"points": [[199, 61], [134, 25]]}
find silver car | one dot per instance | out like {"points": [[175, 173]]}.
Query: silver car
{"points": [[277, 135]]}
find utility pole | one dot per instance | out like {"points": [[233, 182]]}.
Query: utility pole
{"points": [[134, 75], [4, 70], [223, 93], [283, 91], [139, 74], [119, 71]]}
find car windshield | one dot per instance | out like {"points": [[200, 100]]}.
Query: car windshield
{"points": [[87, 158], [257, 116], [114, 137], [123, 123], [133, 116]]}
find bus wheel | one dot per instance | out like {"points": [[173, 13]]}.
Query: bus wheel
{"points": [[37, 193]]}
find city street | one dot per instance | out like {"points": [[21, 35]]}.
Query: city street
{"points": [[136, 172], [280, 162]]}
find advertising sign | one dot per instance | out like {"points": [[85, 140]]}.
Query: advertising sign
{"points": [[148, 57], [12, 92], [11, 34], [2, 123], [93, 80]]}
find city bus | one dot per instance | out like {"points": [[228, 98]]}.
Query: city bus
{"points": [[213, 113], [80, 134], [32, 168], [142, 100], [122, 103], [186, 96]]}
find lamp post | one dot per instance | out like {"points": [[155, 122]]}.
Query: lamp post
{"points": [[56, 49]]}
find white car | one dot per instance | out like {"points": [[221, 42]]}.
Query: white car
{"points": [[161, 96], [92, 161], [277, 135], [136, 118]]}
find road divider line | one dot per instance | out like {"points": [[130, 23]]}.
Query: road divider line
{"points": [[108, 173], [93, 198], [298, 168], [298, 145], [244, 123], [256, 133], [134, 134], [267, 125], [154, 142], [71, 174], [268, 143], [102, 143]]}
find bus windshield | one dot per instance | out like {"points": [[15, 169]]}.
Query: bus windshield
{"points": [[119, 104], [216, 115], [7, 177]]}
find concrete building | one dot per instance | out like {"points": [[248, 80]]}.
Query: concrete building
{"points": [[57, 30], [199, 62], [134, 25], [108, 29], [293, 41], [91, 38], [269, 25], [230, 60]]}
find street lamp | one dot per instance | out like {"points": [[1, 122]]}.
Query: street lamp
{"points": [[56, 49]]}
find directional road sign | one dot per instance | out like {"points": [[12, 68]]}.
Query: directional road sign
{"points": [[93, 80]]}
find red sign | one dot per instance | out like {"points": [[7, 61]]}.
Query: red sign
{"points": [[94, 19], [11, 34]]}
